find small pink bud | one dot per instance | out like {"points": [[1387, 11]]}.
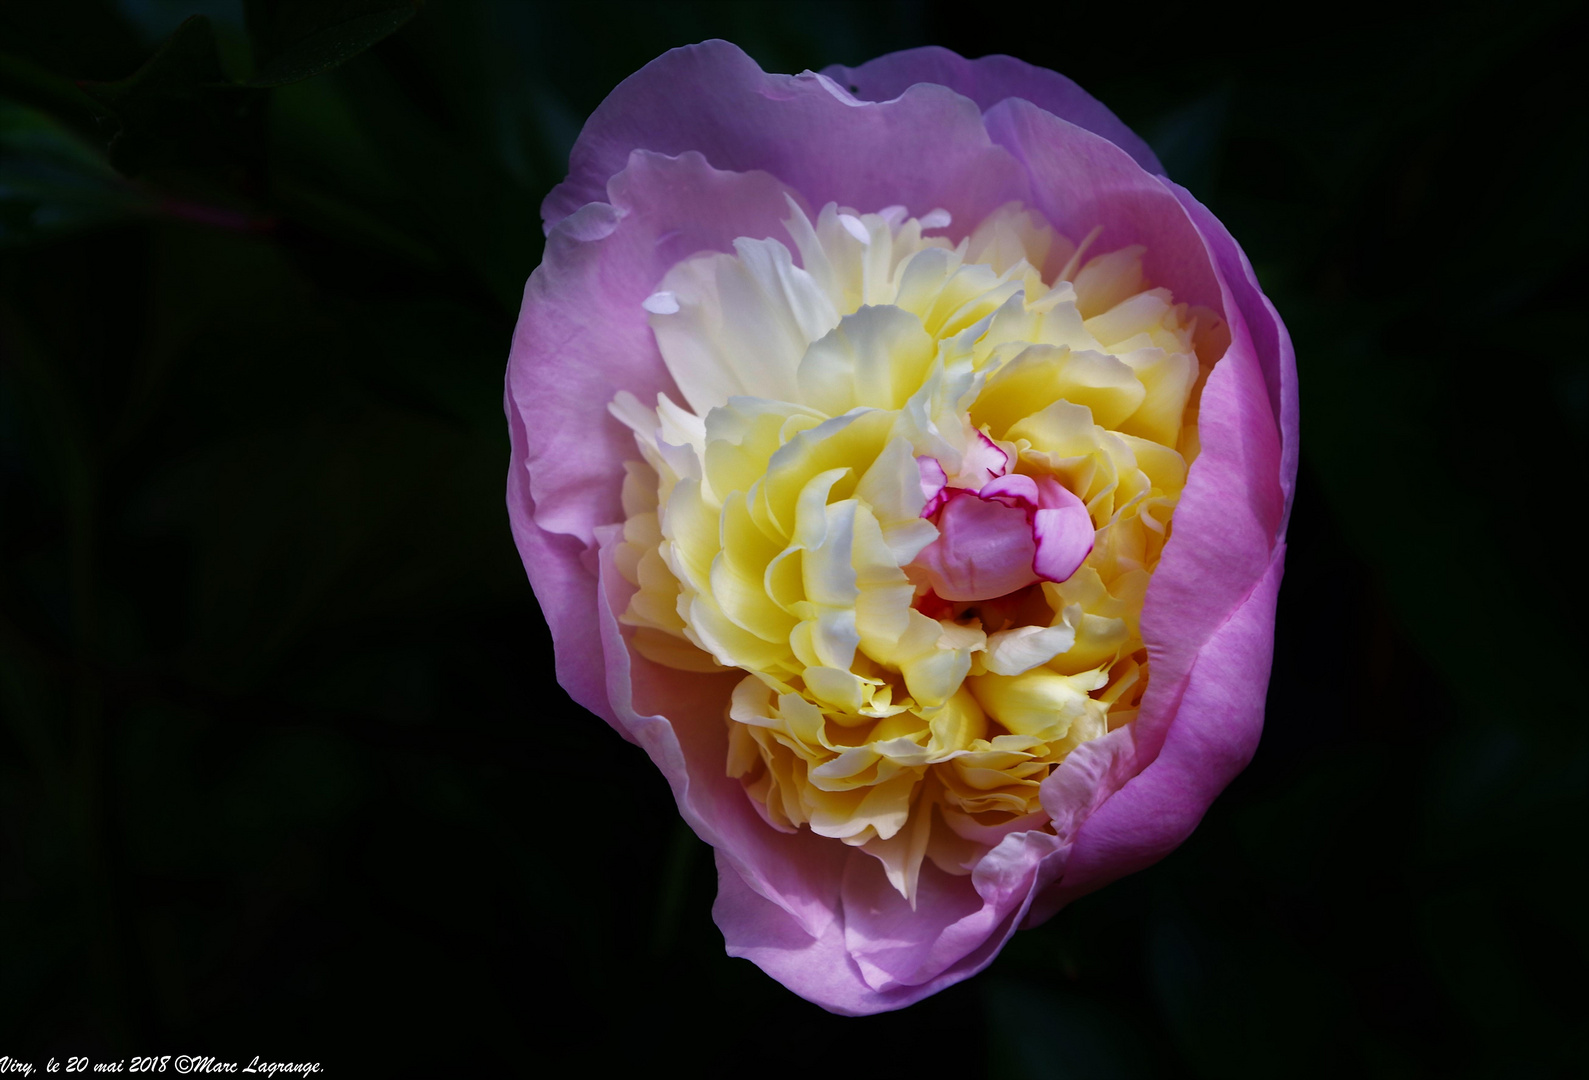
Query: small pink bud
{"points": [[1008, 534]]}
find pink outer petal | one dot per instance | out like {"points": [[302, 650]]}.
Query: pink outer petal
{"points": [[821, 969], [1218, 719], [1203, 711], [1226, 528], [1208, 620], [1276, 357], [1082, 180], [927, 149], [988, 81], [564, 586], [582, 334], [897, 948], [881, 955]]}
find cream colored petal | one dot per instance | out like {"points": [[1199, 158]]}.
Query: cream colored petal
{"points": [[691, 527], [922, 278], [882, 617], [828, 567], [679, 427], [697, 352], [1011, 652], [1063, 429], [958, 724], [827, 638], [1164, 468], [741, 437], [1167, 379], [1040, 703], [730, 644], [891, 487], [933, 677], [851, 768], [875, 358], [743, 542], [655, 602], [1108, 279], [850, 442], [1043, 374], [788, 289], [1013, 234], [902, 853], [1135, 315], [881, 810], [744, 602], [639, 491], [741, 325], [836, 687], [784, 581]]}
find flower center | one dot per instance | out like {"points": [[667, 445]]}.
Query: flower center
{"points": [[1011, 532], [914, 492]]}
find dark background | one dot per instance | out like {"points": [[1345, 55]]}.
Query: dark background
{"points": [[283, 770]]}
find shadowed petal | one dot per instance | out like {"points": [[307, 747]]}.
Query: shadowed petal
{"points": [[925, 150], [988, 81]]}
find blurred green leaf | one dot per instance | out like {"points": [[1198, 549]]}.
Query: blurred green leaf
{"points": [[176, 106], [52, 180], [326, 172], [468, 201], [299, 40], [28, 82]]}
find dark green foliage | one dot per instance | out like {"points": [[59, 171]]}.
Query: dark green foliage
{"points": [[295, 39]]}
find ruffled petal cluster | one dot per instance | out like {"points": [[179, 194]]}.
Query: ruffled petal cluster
{"points": [[894, 459], [904, 464]]}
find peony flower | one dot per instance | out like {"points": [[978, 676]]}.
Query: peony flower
{"points": [[903, 462]]}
